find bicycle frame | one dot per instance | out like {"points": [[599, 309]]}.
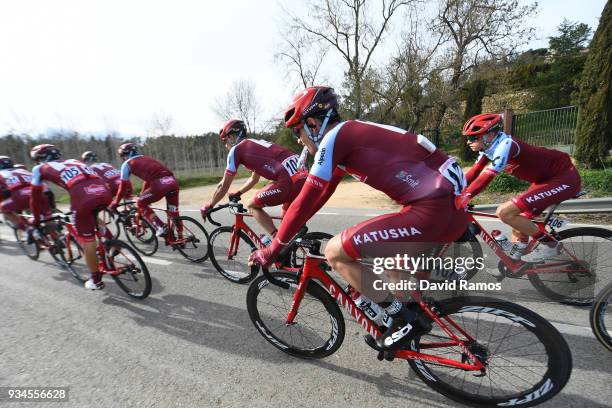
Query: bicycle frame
{"points": [[518, 266], [241, 225], [312, 270], [100, 250]]}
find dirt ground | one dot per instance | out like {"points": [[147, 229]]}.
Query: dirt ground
{"points": [[347, 195]]}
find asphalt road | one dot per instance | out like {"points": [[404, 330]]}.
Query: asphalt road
{"points": [[191, 343]]}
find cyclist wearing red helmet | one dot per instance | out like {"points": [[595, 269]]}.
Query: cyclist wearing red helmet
{"points": [[88, 195], [15, 191], [106, 171], [264, 159], [551, 173], [405, 166], [159, 182]]}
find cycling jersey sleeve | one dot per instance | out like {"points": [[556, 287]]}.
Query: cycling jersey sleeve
{"points": [[232, 165], [477, 168], [125, 171], [36, 176], [323, 167], [504, 151]]}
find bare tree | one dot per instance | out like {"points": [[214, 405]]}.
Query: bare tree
{"points": [[350, 29], [302, 58], [476, 30], [161, 124], [240, 102]]}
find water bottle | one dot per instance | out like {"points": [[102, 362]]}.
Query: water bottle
{"points": [[376, 313], [502, 240], [265, 239]]}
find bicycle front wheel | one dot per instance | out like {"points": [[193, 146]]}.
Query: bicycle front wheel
{"points": [[31, 250], [591, 248], [128, 270], [72, 256], [232, 261], [601, 319], [192, 238], [318, 329], [527, 361], [142, 236]]}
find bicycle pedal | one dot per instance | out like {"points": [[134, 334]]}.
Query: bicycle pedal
{"points": [[389, 355], [380, 356]]}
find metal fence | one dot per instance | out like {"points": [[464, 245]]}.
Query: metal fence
{"points": [[552, 127]]}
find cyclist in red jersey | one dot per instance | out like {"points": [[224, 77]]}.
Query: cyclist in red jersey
{"points": [[264, 159], [15, 192], [159, 182], [405, 166], [106, 171], [88, 195], [551, 173]]}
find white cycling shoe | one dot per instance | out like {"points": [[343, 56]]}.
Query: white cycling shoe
{"points": [[161, 231], [542, 253], [89, 284]]}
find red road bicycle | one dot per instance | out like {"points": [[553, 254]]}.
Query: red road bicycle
{"points": [[115, 258], [481, 351], [230, 246], [569, 278], [184, 234]]}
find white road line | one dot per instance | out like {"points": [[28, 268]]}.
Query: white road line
{"points": [[155, 261], [371, 215], [12, 248], [574, 330], [327, 213]]}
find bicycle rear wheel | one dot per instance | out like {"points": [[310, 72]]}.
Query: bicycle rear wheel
{"points": [[235, 266], [527, 360], [195, 238], [317, 330], [601, 317], [129, 270], [591, 246], [142, 236]]}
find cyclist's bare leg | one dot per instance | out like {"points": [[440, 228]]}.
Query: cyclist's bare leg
{"points": [[353, 271], [262, 217], [510, 214], [91, 258], [12, 217]]}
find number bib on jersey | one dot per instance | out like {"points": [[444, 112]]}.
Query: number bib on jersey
{"points": [[73, 174], [453, 173], [291, 164]]}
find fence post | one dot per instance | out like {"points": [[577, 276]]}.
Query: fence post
{"points": [[508, 116]]}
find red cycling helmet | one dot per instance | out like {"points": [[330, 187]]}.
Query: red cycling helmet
{"points": [[6, 163], [45, 152], [89, 157], [482, 124], [312, 101], [233, 126], [127, 149]]}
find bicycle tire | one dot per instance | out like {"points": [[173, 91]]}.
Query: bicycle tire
{"points": [[558, 366], [80, 272], [130, 268], [243, 273], [564, 293], [597, 317], [193, 241], [32, 250], [336, 329], [147, 246]]}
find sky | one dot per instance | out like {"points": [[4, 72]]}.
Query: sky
{"points": [[98, 66]]}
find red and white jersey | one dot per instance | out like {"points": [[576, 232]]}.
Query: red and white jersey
{"points": [[65, 174], [264, 158], [145, 168], [522, 160], [106, 172], [15, 179]]}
